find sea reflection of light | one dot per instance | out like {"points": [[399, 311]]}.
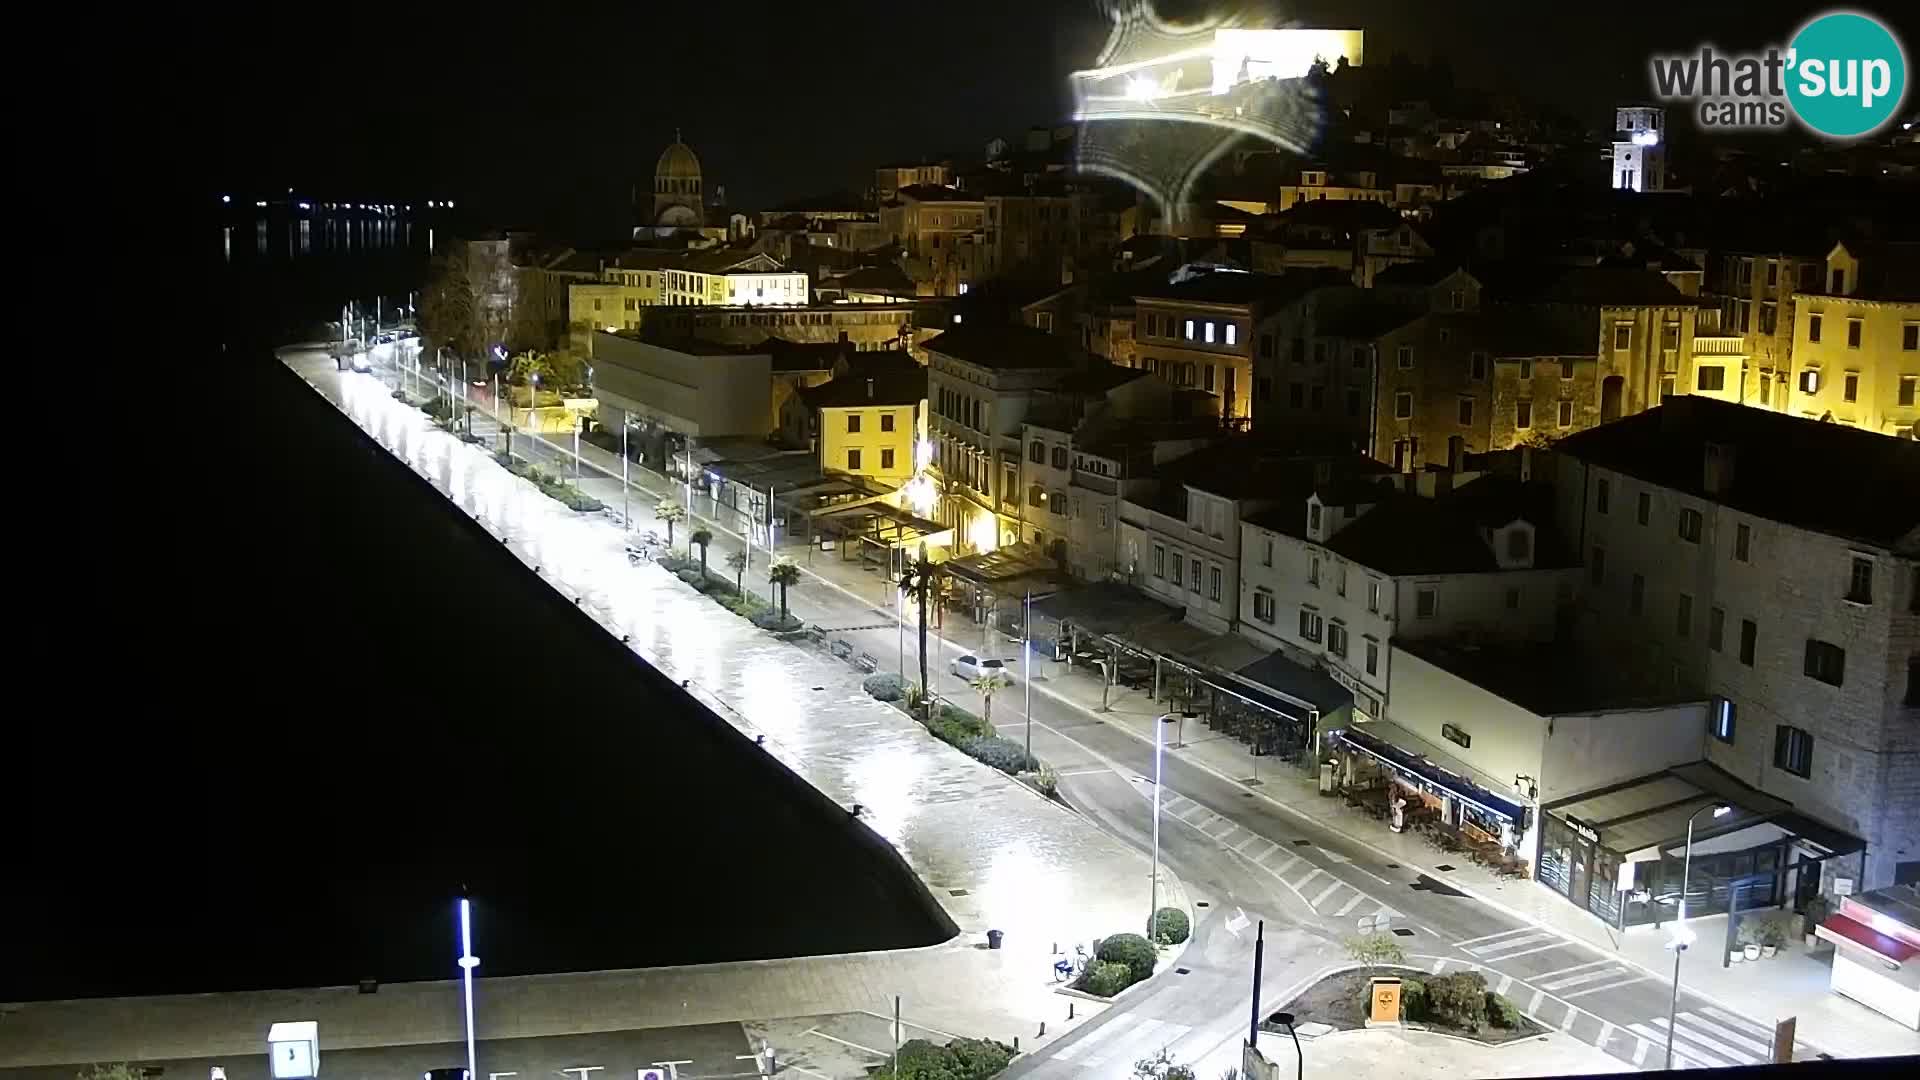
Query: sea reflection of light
{"points": [[884, 781]]}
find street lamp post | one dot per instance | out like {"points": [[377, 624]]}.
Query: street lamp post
{"points": [[1153, 892], [1300, 1062], [468, 962], [626, 525], [1026, 668], [533, 398], [1682, 937]]}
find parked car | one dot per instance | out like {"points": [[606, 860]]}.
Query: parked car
{"points": [[972, 667]]}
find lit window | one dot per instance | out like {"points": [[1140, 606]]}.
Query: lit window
{"points": [[1233, 334], [1208, 331], [1189, 329], [1720, 719]]}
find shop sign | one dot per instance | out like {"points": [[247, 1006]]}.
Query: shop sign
{"points": [[1363, 698], [1583, 830]]}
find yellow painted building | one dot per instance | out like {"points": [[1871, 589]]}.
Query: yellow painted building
{"points": [[1856, 348], [871, 423]]}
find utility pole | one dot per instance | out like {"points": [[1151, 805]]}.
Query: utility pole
{"points": [[1259, 955]]}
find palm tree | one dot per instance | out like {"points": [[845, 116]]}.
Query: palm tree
{"points": [[922, 579], [985, 685], [783, 574], [670, 512], [700, 539], [737, 562]]}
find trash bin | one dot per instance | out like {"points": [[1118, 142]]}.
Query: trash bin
{"points": [[994, 938]]}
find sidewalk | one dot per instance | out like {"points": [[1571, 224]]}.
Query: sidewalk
{"points": [[1793, 983], [1405, 1052]]}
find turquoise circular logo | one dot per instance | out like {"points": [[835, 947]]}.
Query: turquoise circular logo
{"points": [[1848, 74]]}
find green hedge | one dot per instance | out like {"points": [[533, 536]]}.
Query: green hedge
{"points": [[1131, 950], [1105, 978], [1004, 754], [885, 686], [1171, 926], [960, 1059]]}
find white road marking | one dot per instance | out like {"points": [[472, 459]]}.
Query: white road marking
{"points": [[1629, 977], [1606, 1034], [1582, 978], [1222, 834], [1240, 848], [1566, 1022], [843, 1042], [1505, 981], [1639, 1053], [1533, 1007], [1439, 964], [1490, 937], [1292, 861], [1328, 891], [1657, 1029], [1758, 1034], [1761, 1051], [1528, 952], [1296, 886], [1502, 947], [1350, 905], [1182, 815], [1574, 968]]}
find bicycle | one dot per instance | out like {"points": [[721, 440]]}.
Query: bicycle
{"points": [[1067, 969]]}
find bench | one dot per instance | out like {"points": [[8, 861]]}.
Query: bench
{"points": [[867, 663], [841, 648]]}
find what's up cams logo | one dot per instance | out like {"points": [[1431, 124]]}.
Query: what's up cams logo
{"points": [[1843, 76]]}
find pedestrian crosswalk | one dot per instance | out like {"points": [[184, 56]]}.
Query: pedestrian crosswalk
{"points": [[1114, 1047], [1706, 1038], [1325, 893]]}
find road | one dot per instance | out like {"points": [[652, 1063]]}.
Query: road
{"points": [[1236, 850]]}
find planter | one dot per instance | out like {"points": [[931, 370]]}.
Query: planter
{"points": [[1737, 955], [1768, 951], [1753, 952]]}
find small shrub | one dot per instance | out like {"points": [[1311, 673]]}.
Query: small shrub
{"points": [[956, 725], [1045, 781], [976, 1059], [1502, 1013], [961, 1059], [1105, 978], [1458, 1000], [1003, 754], [1413, 1000], [885, 686], [691, 575], [1374, 950], [1131, 950], [772, 620], [1171, 926]]}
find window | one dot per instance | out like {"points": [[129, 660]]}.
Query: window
{"points": [[1458, 298], [886, 460], [1296, 394], [1519, 544], [1523, 415], [1179, 567], [1720, 719], [1189, 329], [1826, 662], [1373, 596], [1602, 489], [1266, 346], [1313, 571], [1683, 617], [1860, 580], [1106, 517], [1853, 333], [1206, 378], [1597, 566], [1622, 336], [1910, 337], [853, 423], [1403, 405], [1037, 452], [1466, 412], [1769, 317], [1690, 526], [1908, 384], [1060, 457], [1513, 598], [1716, 627], [1426, 602], [1749, 640], [1337, 639], [1263, 606], [1404, 356], [1036, 495], [1357, 401], [1267, 558], [1526, 370], [1206, 331], [1810, 381], [1373, 658], [1667, 386], [1159, 562], [1263, 388], [1043, 320], [853, 461], [1193, 583], [1566, 414], [1360, 356], [1477, 366], [1711, 378], [1319, 352], [886, 421], [1793, 750], [1743, 543], [1637, 596], [1310, 624], [1233, 334], [1850, 386], [1340, 581], [1813, 327]]}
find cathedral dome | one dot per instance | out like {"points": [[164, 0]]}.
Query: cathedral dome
{"points": [[677, 162]]}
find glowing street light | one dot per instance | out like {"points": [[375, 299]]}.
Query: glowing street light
{"points": [[468, 962], [1153, 892], [1682, 935]]}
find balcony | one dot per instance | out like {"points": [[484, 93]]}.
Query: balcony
{"points": [[1719, 345]]}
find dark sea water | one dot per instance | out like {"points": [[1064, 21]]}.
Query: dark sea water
{"points": [[291, 745]]}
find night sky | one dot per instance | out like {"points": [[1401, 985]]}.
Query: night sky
{"points": [[547, 114]]}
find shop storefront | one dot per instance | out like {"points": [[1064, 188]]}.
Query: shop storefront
{"points": [[1876, 961], [1621, 854], [1389, 765]]}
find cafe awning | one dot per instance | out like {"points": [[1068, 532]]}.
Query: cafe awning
{"points": [[1420, 768], [1645, 816]]}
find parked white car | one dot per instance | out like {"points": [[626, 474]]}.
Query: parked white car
{"points": [[972, 667]]}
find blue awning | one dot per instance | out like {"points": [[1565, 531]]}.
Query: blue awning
{"points": [[1427, 772]]}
